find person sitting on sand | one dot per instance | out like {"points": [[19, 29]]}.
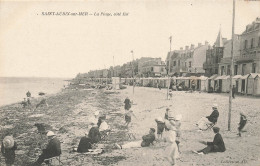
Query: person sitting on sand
{"points": [[53, 149], [94, 133], [8, 150], [160, 126], [242, 122], [145, 142], [84, 144], [171, 150], [204, 122], [217, 145]]}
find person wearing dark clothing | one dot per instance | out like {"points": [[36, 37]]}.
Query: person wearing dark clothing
{"points": [[242, 123], [214, 115], [217, 145], [94, 134], [149, 138], [166, 116], [145, 142], [8, 150], [28, 94], [84, 145], [160, 127], [53, 149], [233, 91], [127, 103]]}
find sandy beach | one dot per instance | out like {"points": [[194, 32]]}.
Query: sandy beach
{"points": [[69, 111]]}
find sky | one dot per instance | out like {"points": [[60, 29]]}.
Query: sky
{"points": [[37, 45]]}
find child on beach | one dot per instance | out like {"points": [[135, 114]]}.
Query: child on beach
{"points": [[242, 122], [171, 151], [160, 127], [128, 116], [8, 148]]}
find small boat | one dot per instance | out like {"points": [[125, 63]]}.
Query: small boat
{"points": [[41, 93]]}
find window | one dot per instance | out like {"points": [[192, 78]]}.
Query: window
{"points": [[245, 46], [222, 70], [243, 69], [216, 71], [235, 70], [185, 64], [252, 42], [179, 62], [174, 63], [189, 63], [228, 70], [259, 41], [253, 67], [151, 68], [162, 70]]}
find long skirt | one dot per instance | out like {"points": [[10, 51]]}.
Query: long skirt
{"points": [[203, 123]]}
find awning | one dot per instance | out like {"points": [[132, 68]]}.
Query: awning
{"points": [[245, 77], [254, 75], [203, 78], [237, 76], [213, 77], [218, 78], [225, 77]]}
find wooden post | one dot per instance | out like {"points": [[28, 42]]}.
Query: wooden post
{"points": [[231, 67], [169, 68]]}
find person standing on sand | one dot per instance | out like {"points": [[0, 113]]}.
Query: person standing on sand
{"points": [[217, 145], [128, 116], [242, 122], [160, 126], [233, 91], [8, 150], [127, 103], [171, 150], [145, 142]]}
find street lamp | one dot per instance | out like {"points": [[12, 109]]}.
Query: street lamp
{"points": [[133, 71]]}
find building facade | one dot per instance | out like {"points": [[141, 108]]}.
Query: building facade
{"points": [[213, 56], [188, 60]]}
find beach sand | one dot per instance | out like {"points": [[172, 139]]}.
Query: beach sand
{"points": [[69, 111]]}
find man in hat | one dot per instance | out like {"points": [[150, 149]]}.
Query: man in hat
{"points": [[205, 122], [53, 149], [145, 142], [217, 145], [8, 150]]}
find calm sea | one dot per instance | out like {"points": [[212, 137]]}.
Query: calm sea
{"points": [[13, 89]]}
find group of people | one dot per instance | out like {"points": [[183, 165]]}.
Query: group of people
{"points": [[98, 127], [170, 126]]}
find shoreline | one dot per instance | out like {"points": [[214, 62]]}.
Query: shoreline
{"points": [[69, 111]]}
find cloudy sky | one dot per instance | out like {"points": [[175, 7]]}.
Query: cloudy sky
{"points": [[33, 44]]}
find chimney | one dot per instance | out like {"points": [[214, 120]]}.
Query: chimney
{"points": [[192, 46], [206, 42], [199, 44], [186, 47], [181, 48]]}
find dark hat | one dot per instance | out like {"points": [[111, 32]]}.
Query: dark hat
{"points": [[216, 129], [152, 129]]}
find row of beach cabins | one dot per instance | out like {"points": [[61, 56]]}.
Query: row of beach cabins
{"points": [[246, 85]]}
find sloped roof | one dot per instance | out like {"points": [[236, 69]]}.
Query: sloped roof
{"points": [[219, 40], [237, 76], [254, 75], [245, 76], [213, 77]]}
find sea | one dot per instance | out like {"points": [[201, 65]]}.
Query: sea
{"points": [[14, 89]]}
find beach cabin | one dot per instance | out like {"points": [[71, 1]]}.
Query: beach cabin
{"points": [[116, 83], [193, 79], [253, 85], [225, 83], [203, 86], [242, 84], [211, 82]]}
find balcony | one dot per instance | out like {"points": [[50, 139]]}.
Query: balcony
{"points": [[206, 66], [248, 55]]}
